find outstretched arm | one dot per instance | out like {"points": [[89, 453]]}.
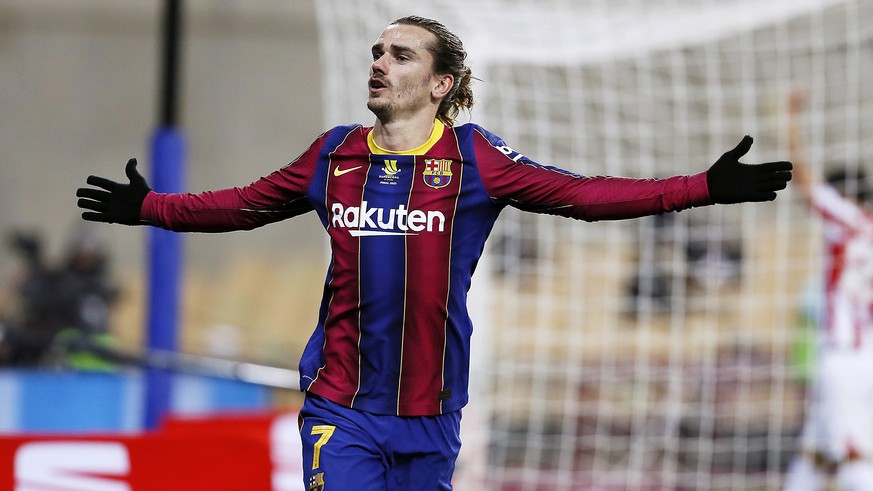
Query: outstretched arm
{"points": [[513, 179], [275, 197]]}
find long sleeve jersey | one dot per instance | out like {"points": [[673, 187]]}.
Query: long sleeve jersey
{"points": [[406, 231]]}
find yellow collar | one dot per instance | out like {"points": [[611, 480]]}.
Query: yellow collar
{"points": [[435, 134]]}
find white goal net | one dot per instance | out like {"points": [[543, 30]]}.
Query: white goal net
{"points": [[658, 353]]}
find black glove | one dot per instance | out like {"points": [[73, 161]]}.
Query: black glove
{"points": [[119, 203], [731, 181]]}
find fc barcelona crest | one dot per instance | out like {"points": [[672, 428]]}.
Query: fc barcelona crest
{"points": [[437, 173], [316, 482]]}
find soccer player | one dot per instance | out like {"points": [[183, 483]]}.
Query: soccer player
{"points": [[837, 439], [408, 204]]}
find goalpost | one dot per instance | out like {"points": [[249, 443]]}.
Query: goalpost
{"points": [[658, 353]]}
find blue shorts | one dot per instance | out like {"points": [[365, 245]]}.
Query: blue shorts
{"points": [[347, 449]]}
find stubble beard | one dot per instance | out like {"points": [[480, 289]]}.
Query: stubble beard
{"points": [[381, 109], [397, 102]]}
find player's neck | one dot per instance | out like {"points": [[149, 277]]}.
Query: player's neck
{"points": [[402, 135]]}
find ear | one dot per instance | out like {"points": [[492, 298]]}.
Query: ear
{"points": [[443, 85]]}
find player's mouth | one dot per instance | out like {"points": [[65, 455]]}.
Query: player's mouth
{"points": [[377, 85]]}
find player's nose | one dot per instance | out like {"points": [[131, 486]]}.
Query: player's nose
{"points": [[379, 65]]}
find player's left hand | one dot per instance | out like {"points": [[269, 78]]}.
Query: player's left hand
{"points": [[731, 181]]}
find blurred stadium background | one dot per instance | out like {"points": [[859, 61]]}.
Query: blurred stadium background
{"points": [[661, 353]]}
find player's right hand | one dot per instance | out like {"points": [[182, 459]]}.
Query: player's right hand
{"points": [[114, 202]]}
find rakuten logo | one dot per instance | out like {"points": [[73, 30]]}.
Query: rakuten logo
{"points": [[366, 221]]}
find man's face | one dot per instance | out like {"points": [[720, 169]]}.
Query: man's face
{"points": [[401, 76]]}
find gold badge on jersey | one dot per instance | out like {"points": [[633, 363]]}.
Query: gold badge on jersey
{"points": [[391, 167], [389, 173], [437, 173]]}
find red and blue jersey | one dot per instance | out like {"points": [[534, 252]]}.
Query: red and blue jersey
{"points": [[406, 232]]}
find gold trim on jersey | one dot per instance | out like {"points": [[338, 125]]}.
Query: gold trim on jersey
{"points": [[435, 135]]}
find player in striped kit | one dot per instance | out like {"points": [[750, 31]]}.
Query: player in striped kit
{"points": [[408, 204], [837, 439]]}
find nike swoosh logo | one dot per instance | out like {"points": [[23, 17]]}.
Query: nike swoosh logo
{"points": [[337, 172]]}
